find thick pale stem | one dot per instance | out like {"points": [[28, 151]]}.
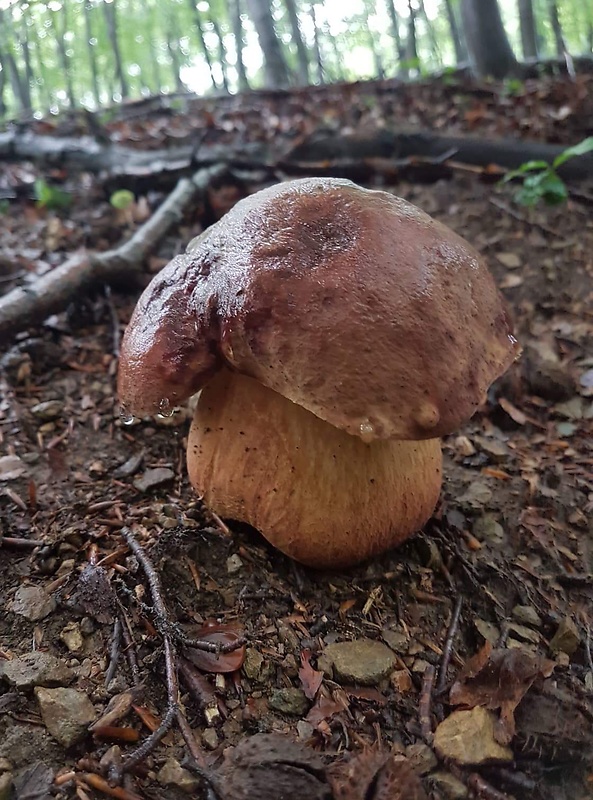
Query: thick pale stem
{"points": [[322, 496]]}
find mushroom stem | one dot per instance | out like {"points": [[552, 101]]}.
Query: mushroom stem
{"points": [[318, 494]]}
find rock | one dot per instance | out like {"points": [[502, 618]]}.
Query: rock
{"points": [[23, 743], [32, 602], [527, 615], [396, 640], [487, 529], [289, 701], [72, 637], [476, 495], [448, 785], [571, 409], [566, 639], [421, 757], [153, 478], [210, 738], [11, 468], [129, 467], [363, 661], [509, 260], [35, 669], [467, 737], [48, 410], [496, 450], [173, 774], [401, 681], [523, 633], [549, 380], [66, 713], [5, 785], [234, 564], [254, 664], [487, 629]]}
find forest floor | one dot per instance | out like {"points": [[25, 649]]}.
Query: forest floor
{"points": [[506, 560]]}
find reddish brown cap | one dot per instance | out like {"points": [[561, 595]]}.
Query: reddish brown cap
{"points": [[350, 302]]}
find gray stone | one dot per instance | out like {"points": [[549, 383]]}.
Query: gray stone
{"points": [[173, 774], [35, 669], [66, 713], [289, 701], [32, 602], [254, 664], [527, 615], [496, 450], [363, 661], [566, 639], [467, 737], [11, 468], [234, 564], [476, 495], [210, 738], [23, 743], [398, 641], [421, 757], [487, 529], [48, 410], [448, 785], [153, 478], [72, 637]]}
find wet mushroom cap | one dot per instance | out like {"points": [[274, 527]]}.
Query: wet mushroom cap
{"points": [[352, 303]]}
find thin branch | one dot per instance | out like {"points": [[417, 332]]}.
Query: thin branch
{"points": [[448, 646]]}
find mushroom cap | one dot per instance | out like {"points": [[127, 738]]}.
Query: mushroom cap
{"points": [[350, 302]]}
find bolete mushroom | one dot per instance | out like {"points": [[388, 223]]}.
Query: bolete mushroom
{"points": [[336, 333]]}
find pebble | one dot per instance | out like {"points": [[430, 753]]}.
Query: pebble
{"points": [[449, 786], [153, 478], [421, 757], [566, 639], [401, 681], [487, 529], [496, 451], [72, 637], [467, 737], [234, 564], [48, 410], [173, 774], [35, 669], [11, 468], [362, 661], [210, 738], [32, 602], [66, 713], [289, 701], [396, 640], [254, 664], [527, 615], [476, 495]]}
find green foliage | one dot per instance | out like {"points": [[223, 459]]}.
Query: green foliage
{"points": [[122, 199], [541, 180], [51, 197], [513, 87], [4, 206]]}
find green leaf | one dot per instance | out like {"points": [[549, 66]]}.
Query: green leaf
{"points": [[122, 199], [580, 149], [4, 206], [528, 166], [50, 196]]}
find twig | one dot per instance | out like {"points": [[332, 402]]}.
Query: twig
{"points": [[448, 646], [130, 650], [20, 544], [483, 789], [115, 651], [114, 319], [51, 293], [425, 704]]}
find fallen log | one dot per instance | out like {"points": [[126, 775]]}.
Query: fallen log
{"points": [[31, 304]]}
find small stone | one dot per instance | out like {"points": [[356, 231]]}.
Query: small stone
{"points": [[234, 564], [5, 785], [420, 666], [19, 740], [35, 669], [253, 664], [363, 661], [487, 529], [571, 409], [476, 495], [210, 738], [497, 451], [488, 630], [32, 602], [305, 730], [467, 737], [523, 633], [129, 467], [11, 468], [153, 478], [527, 615], [173, 774], [464, 446], [67, 713], [397, 641], [421, 757], [72, 637], [566, 639], [87, 626], [48, 410], [449, 786], [401, 681], [509, 260], [5, 765], [289, 701]]}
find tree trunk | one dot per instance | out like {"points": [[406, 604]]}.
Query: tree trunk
{"points": [[434, 45], [316, 44], [88, 29], [25, 46], [110, 11], [3, 107], [400, 50], [528, 28], [412, 44], [18, 85], [234, 12], [276, 74], [486, 38], [557, 28], [60, 31], [338, 73], [173, 50], [297, 38], [222, 57], [204, 47], [456, 34]]}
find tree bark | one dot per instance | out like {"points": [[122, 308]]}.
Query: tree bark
{"points": [[20, 89], [222, 56], [88, 29], [110, 10], [200, 31], [490, 52], [234, 12], [556, 28], [411, 43], [316, 44], [297, 37], [276, 74], [528, 29], [400, 50], [456, 34], [434, 45]]}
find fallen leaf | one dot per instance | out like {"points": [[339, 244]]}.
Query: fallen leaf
{"points": [[514, 413], [216, 633], [311, 679], [11, 468]]}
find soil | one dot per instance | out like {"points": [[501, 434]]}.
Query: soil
{"points": [[513, 528]]}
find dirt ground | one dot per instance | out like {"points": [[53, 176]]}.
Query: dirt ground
{"points": [[510, 545]]}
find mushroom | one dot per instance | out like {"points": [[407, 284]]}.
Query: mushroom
{"points": [[335, 333]]}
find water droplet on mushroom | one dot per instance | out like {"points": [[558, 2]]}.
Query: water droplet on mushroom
{"points": [[165, 408], [126, 417], [367, 431]]}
